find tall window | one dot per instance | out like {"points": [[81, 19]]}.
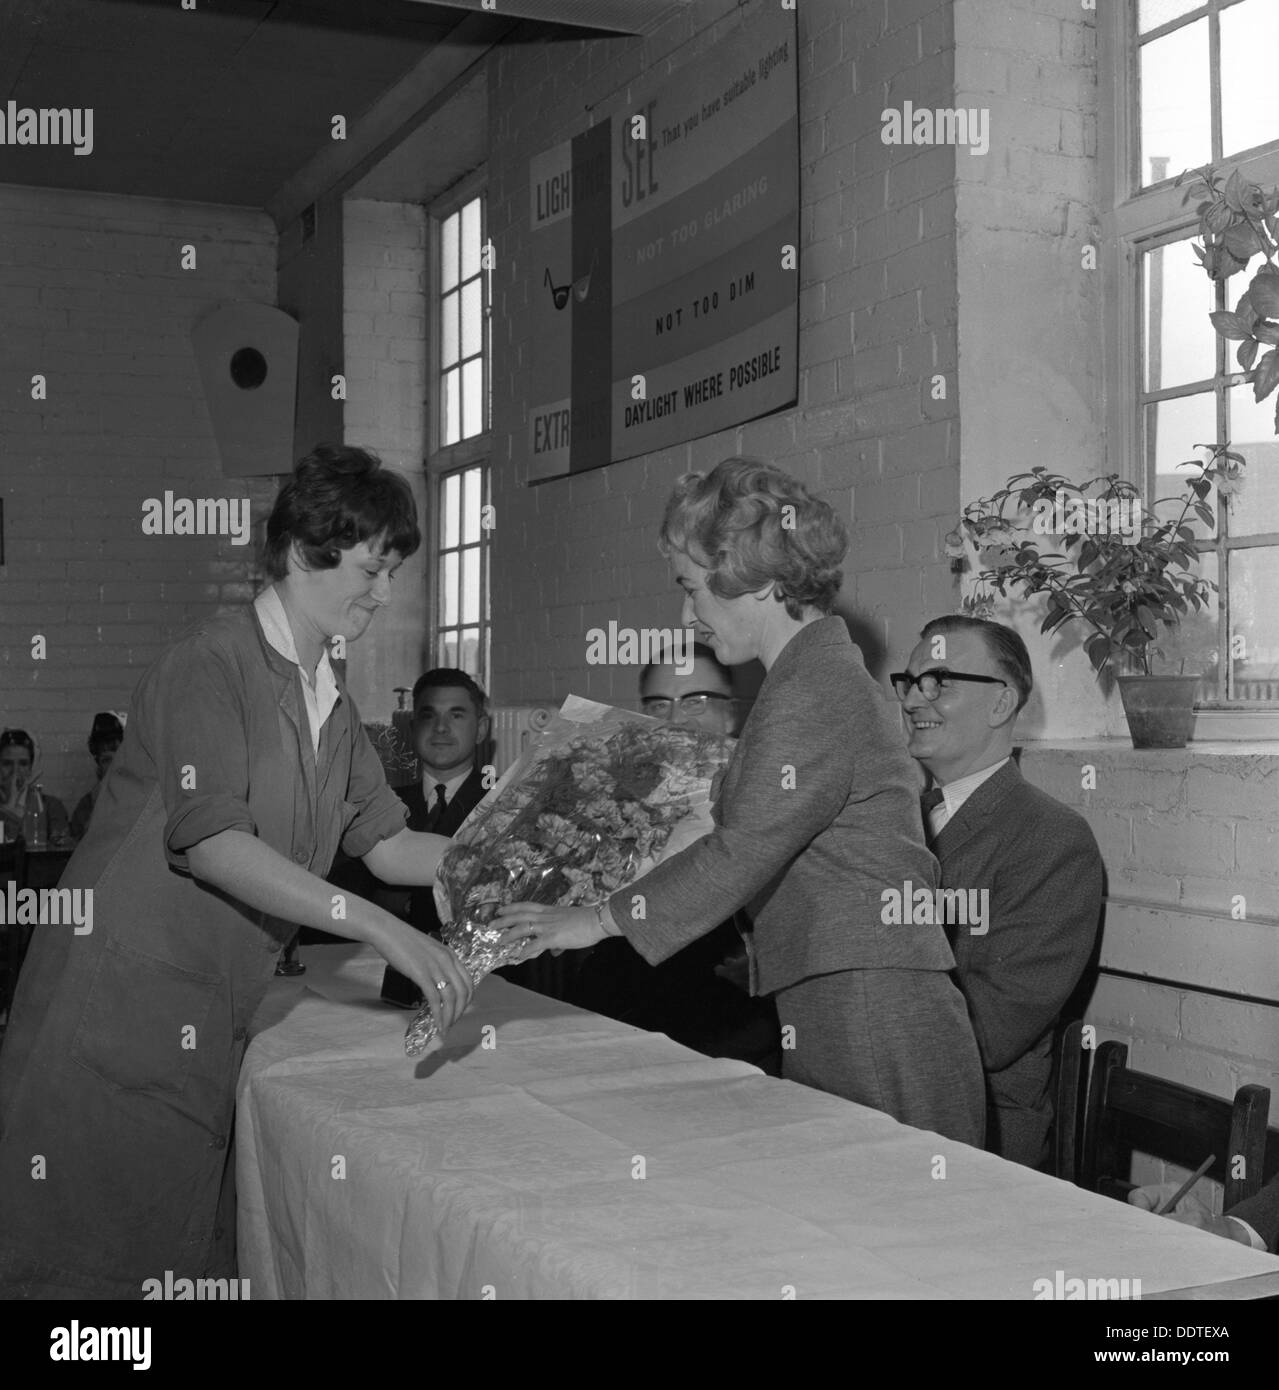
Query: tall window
{"points": [[458, 468], [462, 611], [1195, 88], [463, 325]]}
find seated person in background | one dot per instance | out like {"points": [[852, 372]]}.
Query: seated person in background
{"points": [[688, 997], [18, 794], [105, 737], [967, 681], [450, 721], [1252, 1222]]}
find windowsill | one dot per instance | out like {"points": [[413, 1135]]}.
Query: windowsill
{"points": [[1208, 748]]}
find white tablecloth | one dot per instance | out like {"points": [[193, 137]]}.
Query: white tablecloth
{"points": [[552, 1153]]}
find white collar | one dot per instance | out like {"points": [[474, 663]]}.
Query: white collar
{"points": [[276, 630]]}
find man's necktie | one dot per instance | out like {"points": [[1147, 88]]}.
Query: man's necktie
{"points": [[437, 808], [934, 796]]}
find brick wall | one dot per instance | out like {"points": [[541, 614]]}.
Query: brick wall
{"points": [[877, 318], [384, 361], [1192, 908], [92, 296], [1031, 371]]}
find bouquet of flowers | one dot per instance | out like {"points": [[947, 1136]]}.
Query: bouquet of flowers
{"points": [[601, 798]]}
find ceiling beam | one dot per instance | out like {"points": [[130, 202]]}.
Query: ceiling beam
{"points": [[420, 92]]}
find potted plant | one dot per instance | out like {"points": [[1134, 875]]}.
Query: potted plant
{"points": [[1237, 221], [1121, 571]]}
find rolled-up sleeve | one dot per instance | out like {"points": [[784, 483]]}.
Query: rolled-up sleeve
{"points": [[192, 724], [374, 812]]}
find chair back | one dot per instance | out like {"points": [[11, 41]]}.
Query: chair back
{"points": [[1130, 1110], [1071, 1088]]}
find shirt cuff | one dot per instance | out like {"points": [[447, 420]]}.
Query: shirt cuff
{"points": [[1253, 1238]]}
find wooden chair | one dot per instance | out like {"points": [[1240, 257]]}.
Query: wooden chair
{"points": [[1130, 1110], [1070, 1091]]}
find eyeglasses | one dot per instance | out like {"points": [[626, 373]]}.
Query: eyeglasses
{"points": [[694, 703], [932, 683]]}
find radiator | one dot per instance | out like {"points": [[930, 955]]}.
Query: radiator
{"points": [[512, 726]]}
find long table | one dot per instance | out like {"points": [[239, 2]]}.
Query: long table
{"points": [[547, 1152]]}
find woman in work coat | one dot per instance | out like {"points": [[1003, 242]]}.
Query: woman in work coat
{"points": [[244, 766]]}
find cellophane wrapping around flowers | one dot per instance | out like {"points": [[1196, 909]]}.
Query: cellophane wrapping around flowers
{"points": [[600, 799]]}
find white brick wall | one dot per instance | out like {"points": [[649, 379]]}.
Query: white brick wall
{"points": [[1185, 834], [93, 296], [385, 364]]}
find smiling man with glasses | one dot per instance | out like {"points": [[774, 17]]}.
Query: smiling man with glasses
{"points": [[964, 686]]}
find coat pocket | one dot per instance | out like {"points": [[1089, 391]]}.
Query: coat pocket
{"points": [[148, 1023]]}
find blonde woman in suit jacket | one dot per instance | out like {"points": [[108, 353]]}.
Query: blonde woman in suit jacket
{"points": [[817, 818]]}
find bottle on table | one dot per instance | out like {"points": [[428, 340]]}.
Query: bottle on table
{"points": [[35, 820]]}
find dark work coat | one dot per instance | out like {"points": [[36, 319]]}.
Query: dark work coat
{"points": [[117, 1077]]}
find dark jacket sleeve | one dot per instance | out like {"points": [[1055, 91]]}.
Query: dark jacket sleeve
{"points": [[790, 779], [1045, 911], [1262, 1213]]}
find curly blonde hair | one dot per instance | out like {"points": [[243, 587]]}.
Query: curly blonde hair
{"points": [[749, 524]]}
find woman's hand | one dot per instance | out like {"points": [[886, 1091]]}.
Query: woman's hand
{"points": [[438, 973], [543, 928]]}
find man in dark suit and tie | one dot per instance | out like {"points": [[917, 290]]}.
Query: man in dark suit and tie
{"points": [[450, 721], [1031, 862]]}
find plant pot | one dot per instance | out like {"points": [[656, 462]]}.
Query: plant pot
{"points": [[1160, 709]]}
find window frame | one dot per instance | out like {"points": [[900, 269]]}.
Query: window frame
{"points": [[1134, 219], [443, 460]]}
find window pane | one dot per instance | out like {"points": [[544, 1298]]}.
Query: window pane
{"points": [[472, 398], [1173, 428], [449, 306], [447, 650], [449, 510], [469, 657], [471, 239], [1255, 508], [1152, 13], [448, 597], [471, 584], [1191, 648], [448, 252], [451, 424], [472, 319], [1249, 90], [1178, 299], [1254, 623], [1176, 128], [471, 505]]}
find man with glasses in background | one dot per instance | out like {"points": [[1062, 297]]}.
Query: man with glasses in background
{"points": [[966, 683]]}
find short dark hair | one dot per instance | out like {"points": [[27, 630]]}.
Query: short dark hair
{"points": [[700, 652], [339, 496], [450, 675], [107, 731], [1003, 645], [18, 738]]}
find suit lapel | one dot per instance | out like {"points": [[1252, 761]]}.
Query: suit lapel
{"points": [[976, 811]]}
